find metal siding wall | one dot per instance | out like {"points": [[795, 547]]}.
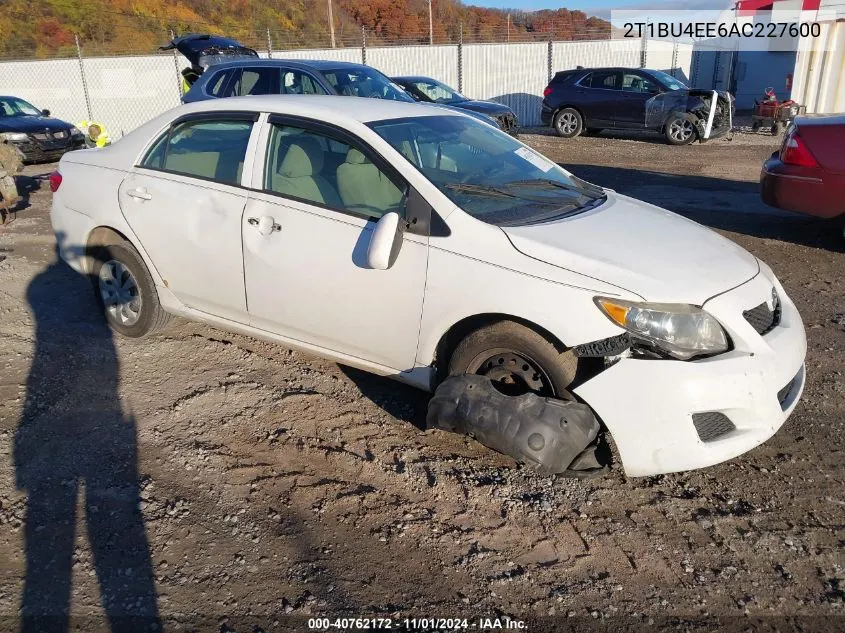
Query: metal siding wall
{"points": [[335, 54], [439, 62], [659, 55], [129, 91], [54, 84], [513, 74], [569, 55]]}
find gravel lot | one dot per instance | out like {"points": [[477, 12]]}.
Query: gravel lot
{"points": [[274, 484]]}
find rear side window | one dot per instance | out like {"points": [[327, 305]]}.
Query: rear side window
{"points": [[208, 149], [607, 79], [218, 82], [255, 81]]}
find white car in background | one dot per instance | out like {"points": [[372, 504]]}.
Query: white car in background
{"points": [[415, 243]]}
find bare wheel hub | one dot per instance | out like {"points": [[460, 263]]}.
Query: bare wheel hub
{"points": [[512, 374]]}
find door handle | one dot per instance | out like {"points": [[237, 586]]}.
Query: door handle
{"points": [[139, 194], [265, 224]]}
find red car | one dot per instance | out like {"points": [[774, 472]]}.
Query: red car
{"points": [[807, 174]]}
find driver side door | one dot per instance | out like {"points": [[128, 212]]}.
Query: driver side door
{"points": [[305, 238]]}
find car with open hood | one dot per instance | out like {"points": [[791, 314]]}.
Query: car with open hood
{"points": [[589, 100], [38, 136], [418, 243]]}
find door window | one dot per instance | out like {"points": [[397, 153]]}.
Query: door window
{"points": [[256, 81], [317, 168], [213, 150], [218, 82], [606, 79], [295, 82], [636, 83]]}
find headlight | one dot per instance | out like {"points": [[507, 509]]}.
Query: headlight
{"points": [[681, 331], [75, 131], [793, 111], [13, 136]]}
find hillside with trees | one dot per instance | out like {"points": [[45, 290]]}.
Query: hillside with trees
{"points": [[47, 27]]}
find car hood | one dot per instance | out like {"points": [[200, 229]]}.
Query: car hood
{"points": [[484, 107], [30, 124], [641, 248]]}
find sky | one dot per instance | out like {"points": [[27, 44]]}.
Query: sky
{"points": [[592, 7]]}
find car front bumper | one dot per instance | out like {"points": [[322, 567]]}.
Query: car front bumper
{"points": [[648, 405], [35, 151]]}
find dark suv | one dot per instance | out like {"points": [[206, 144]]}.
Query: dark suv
{"points": [[592, 99]]}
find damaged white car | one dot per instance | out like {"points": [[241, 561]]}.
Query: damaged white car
{"points": [[420, 244]]}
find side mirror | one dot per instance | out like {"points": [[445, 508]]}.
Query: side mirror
{"points": [[385, 242], [45, 112]]}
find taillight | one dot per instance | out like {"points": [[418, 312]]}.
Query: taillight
{"points": [[55, 181], [796, 152], [547, 91]]}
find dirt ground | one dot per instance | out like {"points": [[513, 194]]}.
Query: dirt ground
{"points": [[275, 485]]}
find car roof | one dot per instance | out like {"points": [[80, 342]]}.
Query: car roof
{"points": [[319, 64], [326, 107]]}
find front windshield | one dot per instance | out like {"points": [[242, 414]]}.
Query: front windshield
{"points": [[364, 82], [668, 80], [438, 92], [17, 107], [487, 173]]}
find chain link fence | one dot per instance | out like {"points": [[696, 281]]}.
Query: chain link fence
{"points": [[124, 91]]}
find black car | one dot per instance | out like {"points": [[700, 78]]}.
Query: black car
{"points": [[38, 136], [592, 99], [430, 90]]}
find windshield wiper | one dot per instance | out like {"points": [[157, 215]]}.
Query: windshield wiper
{"points": [[482, 189], [555, 183]]}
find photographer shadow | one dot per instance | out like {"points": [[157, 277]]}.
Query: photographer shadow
{"points": [[74, 436]]}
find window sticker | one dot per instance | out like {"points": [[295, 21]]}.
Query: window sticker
{"points": [[540, 162]]}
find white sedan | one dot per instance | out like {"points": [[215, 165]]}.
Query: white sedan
{"points": [[417, 243]]}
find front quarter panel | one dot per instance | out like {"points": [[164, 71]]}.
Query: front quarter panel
{"points": [[476, 270]]}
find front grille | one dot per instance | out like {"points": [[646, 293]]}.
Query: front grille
{"points": [[711, 425], [762, 318], [507, 122]]}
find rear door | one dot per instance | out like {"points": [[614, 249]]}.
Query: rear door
{"points": [[184, 202], [602, 95]]}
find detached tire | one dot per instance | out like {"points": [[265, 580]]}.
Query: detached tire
{"points": [[568, 123], [516, 359], [680, 128], [126, 291]]}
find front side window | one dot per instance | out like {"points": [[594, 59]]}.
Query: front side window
{"points": [[329, 172], [295, 82], [365, 82], [632, 82], [606, 79], [670, 82], [213, 150], [486, 172]]}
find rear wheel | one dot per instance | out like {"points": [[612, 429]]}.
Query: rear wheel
{"points": [[517, 360], [126, 291], [568, 123], [680, 129]]}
